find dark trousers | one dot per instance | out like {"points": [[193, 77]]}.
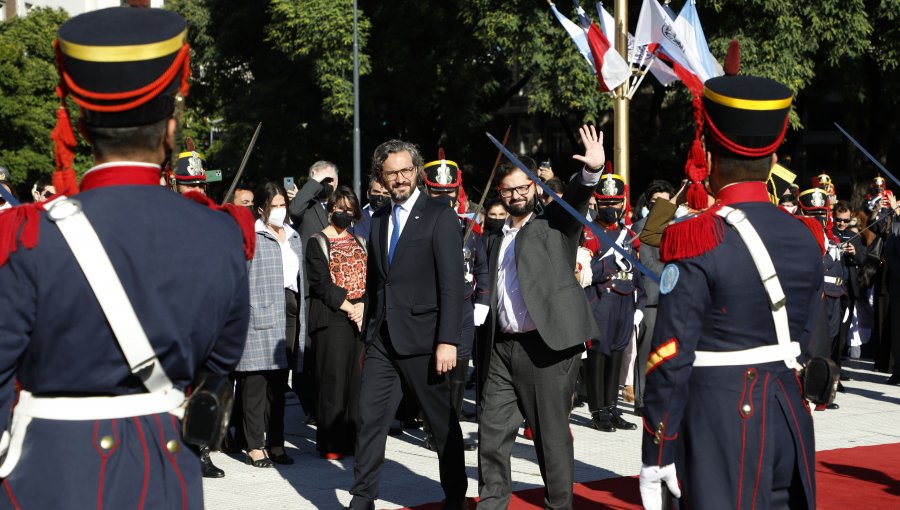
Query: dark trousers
{"points": [[383, 369], [526, 376], [304, 380], [840, 343], [601, 374], [338, 365], [262, 402], [645, 340]]}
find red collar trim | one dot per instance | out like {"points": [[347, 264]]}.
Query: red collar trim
{"points": [[740, 192], [124, 175]]}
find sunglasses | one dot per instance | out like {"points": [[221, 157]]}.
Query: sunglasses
{"points": [[841, 220]]}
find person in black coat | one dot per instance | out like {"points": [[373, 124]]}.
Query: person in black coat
{"points": [[412, 324]]}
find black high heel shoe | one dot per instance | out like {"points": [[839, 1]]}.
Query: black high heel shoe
{"points": [[264, 462]]}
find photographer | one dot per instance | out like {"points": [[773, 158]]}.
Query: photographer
{"points": [[853, 255]]}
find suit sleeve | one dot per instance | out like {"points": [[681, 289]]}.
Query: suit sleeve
{"points": [[482, 276], [577, 196], [663, 211], [449, 266], [229, 347], [321, 286], [678, 327], [300, 203], [18, 298]]}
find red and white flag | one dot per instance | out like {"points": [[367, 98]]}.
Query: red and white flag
{"points": [[614, 71]]}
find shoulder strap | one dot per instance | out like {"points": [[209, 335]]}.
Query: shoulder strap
{"points": [[323, 243], [82, 239], [361, 242], [737, 219]]}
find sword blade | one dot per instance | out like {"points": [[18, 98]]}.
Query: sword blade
{"points": [[240, 171], [867, 154]]}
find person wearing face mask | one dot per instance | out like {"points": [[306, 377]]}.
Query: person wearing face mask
{"points": [[617, 298], [277, 320], [308, 216], [495, 217], [378, 197]]}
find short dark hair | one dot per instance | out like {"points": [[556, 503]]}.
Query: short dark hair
{"points": [[392, 147], [491, 203], [344, 194], [508, 167], [557, 186], [842, 206], [734, 168], [263, 196], [108, 142]]}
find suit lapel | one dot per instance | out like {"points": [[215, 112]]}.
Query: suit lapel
{"points": [[379, 234]]}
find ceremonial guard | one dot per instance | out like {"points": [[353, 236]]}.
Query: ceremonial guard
{"points": [[814, 204], [443, 180], [823, 182], [739, 296], [99, 333], [617, 298], [189, 174]]}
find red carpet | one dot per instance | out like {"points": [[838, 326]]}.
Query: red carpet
{"points": [[863, 477]]}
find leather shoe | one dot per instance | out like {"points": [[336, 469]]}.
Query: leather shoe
{"points": [[832, 406], [461, 505], [841, 388], [282, 458], [615, 417], [207, 468], [601, 420], [893, 380]]}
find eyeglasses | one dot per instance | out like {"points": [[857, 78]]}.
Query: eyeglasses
{"points": [[391, 175], [519, 190], [842, 220]]}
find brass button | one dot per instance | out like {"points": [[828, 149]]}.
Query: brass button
{"points": [[107, 442], [751, 373], [173, 446], [746, 409]]}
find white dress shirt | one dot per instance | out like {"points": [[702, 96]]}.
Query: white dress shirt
{"points": [[402, 216], [512, 313], [290, 262]]}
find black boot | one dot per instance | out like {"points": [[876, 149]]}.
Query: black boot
{"points": [[457, 394], [601, 420], [208, 468], [617, 420]]}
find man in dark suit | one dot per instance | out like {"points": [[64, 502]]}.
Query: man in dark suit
{"points": [[308, 213], [536, 337], [415, 294]]}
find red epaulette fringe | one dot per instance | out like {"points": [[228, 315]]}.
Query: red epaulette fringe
{"points": [[692, 237], [816, 228], [21, 224], [241, 215]]}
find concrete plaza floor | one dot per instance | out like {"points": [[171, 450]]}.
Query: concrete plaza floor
{"points": [[869, 415]]}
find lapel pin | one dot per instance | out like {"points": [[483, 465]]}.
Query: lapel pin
{"points": [[417, 217]]}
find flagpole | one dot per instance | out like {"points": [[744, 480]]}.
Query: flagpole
{"points": [[357, 157], [620, 123]]}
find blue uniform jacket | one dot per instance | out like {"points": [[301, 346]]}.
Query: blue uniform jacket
{"points": [[726, 426], [183, 267]]}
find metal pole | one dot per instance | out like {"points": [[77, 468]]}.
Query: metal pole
{"points": [[357, 158], [620, 125]]}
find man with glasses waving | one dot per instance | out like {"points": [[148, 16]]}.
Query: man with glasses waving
{"points": [[539, 323], [412, 323]]}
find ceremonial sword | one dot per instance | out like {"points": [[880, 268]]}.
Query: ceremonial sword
{"points": [[240, 171], [867, 154], [571, 210]]}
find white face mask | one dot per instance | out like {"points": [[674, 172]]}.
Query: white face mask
{"points": [[645, 212], [277, 216]]}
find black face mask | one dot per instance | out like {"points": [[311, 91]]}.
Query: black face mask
{"points": [[608, 214], [493, 224], [378, 201], [326, 191], [341, 219]]}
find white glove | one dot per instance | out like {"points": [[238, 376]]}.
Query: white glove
{"points": [[481, 312], [583, 260], [651, 485], [638, 317]]}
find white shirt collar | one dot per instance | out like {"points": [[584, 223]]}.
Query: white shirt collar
{"points": [[507, 227]]}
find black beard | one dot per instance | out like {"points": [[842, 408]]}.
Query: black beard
{"points": [[521, 210]]}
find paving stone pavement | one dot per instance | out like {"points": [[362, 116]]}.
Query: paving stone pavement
{"points": [[869, 415]]}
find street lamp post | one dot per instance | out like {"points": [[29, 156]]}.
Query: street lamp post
{"points": [[356, 144], [212, 129]]}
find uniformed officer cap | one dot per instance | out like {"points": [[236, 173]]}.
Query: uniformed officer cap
{"points": [[123, 66], [189, 168], [878, 181], [442, 174], [611, 187], [746, 115], [814, 201]]}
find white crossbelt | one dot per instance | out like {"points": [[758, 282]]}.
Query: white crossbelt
{"points": [[97, 268], [784, 350]]}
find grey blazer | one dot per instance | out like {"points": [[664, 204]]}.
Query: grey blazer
{"points": [[545, 264]]}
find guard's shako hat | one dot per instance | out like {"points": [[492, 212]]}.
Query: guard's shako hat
{"points": [[746, 115], [611, 187], [189, 168], [814, 201], [123, 67], [443, 175]]}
